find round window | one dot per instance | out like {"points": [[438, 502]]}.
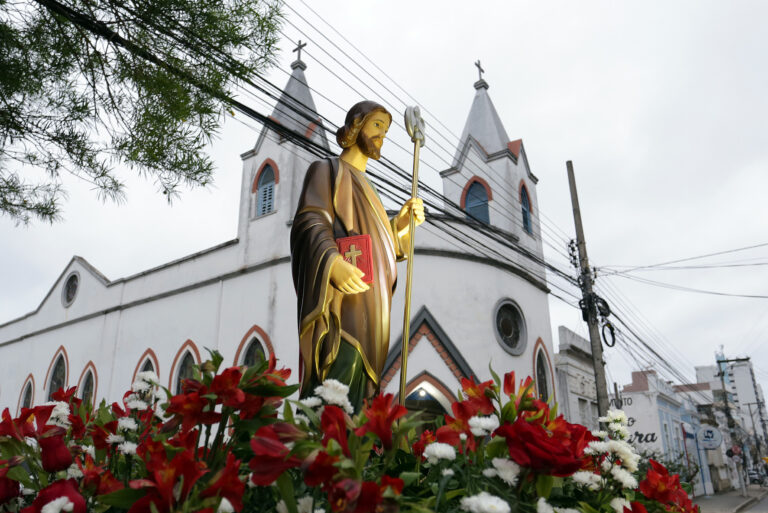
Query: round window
{"points": [[510, 327], [70, 289]]}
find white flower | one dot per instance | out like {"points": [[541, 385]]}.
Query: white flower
{"points": [[148, 377], [335, 392], [439, 451], [483, 426], [136, 404], [298, 417], [127, 424], [463, 437], [566, 510], [311, 402], [596, 447], [600, 434], [58, 505], [59, 415], [484, 502], [490, 472], [89, 449], [507, 470], [281, 507], [74, 472], [140, 386], [225, 506], [27, 491], [589, 479], [304, 505], [543, 506], [626, 479], [447, 472], [115, 439], [127, 448], [619, 503]]}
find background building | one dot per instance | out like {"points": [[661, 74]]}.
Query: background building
{"points": [[576, 393]]}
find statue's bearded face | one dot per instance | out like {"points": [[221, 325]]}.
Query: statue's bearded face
{"points": [[371, 136]]}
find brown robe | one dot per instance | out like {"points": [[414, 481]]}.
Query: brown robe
{"points": [[338, 201]]}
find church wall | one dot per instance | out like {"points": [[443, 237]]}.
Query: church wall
{"points": [[463, 296], [423, 357]]}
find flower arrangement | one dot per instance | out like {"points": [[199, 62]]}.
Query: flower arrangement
{"points": [[231, 441]]}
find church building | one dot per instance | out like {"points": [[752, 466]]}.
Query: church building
{"points": [[470, 308]]}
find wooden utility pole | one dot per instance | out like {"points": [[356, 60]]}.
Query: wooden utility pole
{"points": [[729, 418], [601, 385]]}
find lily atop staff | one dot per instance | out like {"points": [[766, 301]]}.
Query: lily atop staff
{"points": [[344, 250]]}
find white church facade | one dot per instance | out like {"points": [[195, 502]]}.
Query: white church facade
{"points": [[469, 308]]}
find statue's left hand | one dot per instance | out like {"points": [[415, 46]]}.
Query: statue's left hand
{"points": [[415, 204]]}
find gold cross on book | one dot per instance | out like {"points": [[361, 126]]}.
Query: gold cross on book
{"points": [[352, 254]]}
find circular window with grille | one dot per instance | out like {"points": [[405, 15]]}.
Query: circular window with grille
{"points": [[509, 327], [69, 292]]}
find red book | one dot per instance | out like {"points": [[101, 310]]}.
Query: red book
{"points": [[357, 251]]}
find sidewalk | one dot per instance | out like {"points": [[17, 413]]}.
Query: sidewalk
{"points": [[730, 502]]}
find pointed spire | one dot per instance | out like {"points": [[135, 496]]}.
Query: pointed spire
{"points": [[483, 123], [296, 109]]}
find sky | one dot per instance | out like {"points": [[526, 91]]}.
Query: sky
{"points": [[660, 105]]}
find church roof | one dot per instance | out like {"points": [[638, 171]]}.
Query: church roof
{"points": [[296, 109], [484, 126]]}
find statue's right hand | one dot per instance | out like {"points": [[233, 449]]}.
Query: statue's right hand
{"points": [[347, 277]]}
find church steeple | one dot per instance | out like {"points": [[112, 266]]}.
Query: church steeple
{"points": [[296, 108], [483, 125]]}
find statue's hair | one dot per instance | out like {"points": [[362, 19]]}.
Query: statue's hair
{"points": [[346, 135]]}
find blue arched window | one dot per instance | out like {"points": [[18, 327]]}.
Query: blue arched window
{"points": [[525, 202], [477, 203], [265, 191]]}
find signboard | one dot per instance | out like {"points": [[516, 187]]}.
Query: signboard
{"points": [[709, 437]]}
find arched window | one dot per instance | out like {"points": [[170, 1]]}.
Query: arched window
{"points": [[26, 398], [87, 388], [265, 191], [525, 203], [254, 353], [148, 366], [542, 376], [186, 370], [58, 376], [477, 202]]}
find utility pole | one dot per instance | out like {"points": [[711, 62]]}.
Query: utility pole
{"points": [[601, 385], [759, 403], [729, 419], [754, 431]]}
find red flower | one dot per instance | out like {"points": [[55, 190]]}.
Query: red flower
{"points": [[226, 483], [478, 396], [395, 483], [427, 437], [67, 396], [343, 495], [369, 497], [509, 383], [531, 445], [56, 490], [170, 484], [451, 432], [636, 507], [99, 434], [321, 469], [334, 425], [9, 488], [98, 479], [226, 387], [658, 485], [271, 457], [287, 432], [193, 409], [380, 415], [54, 453]]}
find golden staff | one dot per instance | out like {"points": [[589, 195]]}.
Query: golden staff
{"points": [[414, 124]]}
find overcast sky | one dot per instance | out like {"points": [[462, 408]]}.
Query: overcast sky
{"points": [[660, 105]]}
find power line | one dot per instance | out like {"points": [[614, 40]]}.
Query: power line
{"points": [[688, 289]]}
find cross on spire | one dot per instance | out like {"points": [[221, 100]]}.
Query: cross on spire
{"points": [[480, 70], [298, 49]]}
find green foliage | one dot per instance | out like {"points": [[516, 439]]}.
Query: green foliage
{"points": [[75, 101]]}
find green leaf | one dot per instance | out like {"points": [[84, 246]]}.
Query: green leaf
{"points": [[496, 377], [21, 475], [544, 485], [586, 508], [409, 477], [285, 485], [122, 498]]}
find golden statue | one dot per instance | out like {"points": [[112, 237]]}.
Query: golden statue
{"points": [[344, 300]]}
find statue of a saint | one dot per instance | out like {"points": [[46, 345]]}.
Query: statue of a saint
{"points": [[343, 311]]}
